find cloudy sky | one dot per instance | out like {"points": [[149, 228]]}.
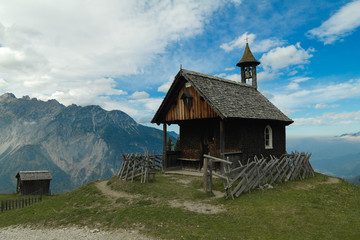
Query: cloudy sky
{"points": [[124, 54]]}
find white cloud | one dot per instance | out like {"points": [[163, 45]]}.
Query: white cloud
{"points": [[343, 115], [3, 83], [302, 79], [234, 77], [76, 51], [330, 118], [148, 108], [283, 57], [237, 2], [84, 93], [292, 73], [351, 138], [323, 106], [230, 69], [339, 25], [239, 42], [139, 95], [8, 56], [221, 75], [289, 101], [320, 105], [258, 46], [36, 82], [266, 44], [165, 87], [292, 86], [266, 75]]}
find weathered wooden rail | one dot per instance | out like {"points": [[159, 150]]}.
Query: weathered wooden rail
{"points": [[19, 203], [259, 172], [138, 165]]}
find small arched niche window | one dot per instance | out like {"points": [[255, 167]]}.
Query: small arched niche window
{"points": [[268, 136]]}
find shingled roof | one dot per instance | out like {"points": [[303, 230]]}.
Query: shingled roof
{"points": [[229, 99], [33, 175], [247, 58]]}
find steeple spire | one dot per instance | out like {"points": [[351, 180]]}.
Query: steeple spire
{"points": [[248, 65]]}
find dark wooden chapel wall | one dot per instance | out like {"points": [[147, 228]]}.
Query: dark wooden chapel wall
{"points": [[246, 136]]}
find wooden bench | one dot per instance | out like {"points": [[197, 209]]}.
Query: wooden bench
{"points": [[193, 160]]}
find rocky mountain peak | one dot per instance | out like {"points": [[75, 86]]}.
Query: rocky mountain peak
{"points": [[76, 144], [7, 97]]}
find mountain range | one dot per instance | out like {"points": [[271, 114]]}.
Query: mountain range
{"points": [[77, 144], [337, 156], [81, 144]]}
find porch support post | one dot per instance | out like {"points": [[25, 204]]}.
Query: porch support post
{"points": [[164, 165], [222, 138], [222, 144]]}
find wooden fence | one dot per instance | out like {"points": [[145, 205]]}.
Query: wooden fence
{"points": [[138, 165], [259, 172], [19, 203]]}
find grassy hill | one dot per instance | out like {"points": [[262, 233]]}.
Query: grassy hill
{"points": [[173, 207]]}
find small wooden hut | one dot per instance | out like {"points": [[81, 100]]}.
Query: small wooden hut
{"points": [[222, 117], [33, 182]]}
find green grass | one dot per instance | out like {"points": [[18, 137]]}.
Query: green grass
{"points": [[295, 210]]}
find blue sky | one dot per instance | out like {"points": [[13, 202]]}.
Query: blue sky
{"points": [[124, 54]]}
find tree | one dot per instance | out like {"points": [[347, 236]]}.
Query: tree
{"points": [[169, 144], [177, 144]]}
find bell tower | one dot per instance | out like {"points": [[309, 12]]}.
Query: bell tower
{"points": [[248, 65]]}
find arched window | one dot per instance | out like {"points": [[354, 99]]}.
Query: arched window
{"points": [[268, 137]]}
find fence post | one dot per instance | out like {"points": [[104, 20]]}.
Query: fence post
{"points": [[205, 174], [153, 162], [2, 205], [210, 175], [147, 160]]}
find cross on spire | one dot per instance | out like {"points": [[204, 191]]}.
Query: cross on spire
{"points": [[247, 39]]}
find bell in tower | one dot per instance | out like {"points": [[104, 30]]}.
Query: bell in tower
{"points": [[248, 65]]}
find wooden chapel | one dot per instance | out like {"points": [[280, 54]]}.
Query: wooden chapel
{"points": [[221, 117]]}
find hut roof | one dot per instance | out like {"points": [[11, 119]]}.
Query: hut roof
{"points": [[229, 99], [33, 175]]}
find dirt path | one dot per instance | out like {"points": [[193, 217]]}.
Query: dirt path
{"points": [[302, 186], [20, 233], [106, 190], [332, 180], [199, 207]]}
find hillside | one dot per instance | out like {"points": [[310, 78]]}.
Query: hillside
{"points": [[174, 207], [77, 144]]}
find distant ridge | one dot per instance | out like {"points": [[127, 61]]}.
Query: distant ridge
{"points": [[77, 144], [335, 156], [350, 136]]}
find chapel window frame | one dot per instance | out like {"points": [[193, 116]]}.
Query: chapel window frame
{"points": [[268, 137]]}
